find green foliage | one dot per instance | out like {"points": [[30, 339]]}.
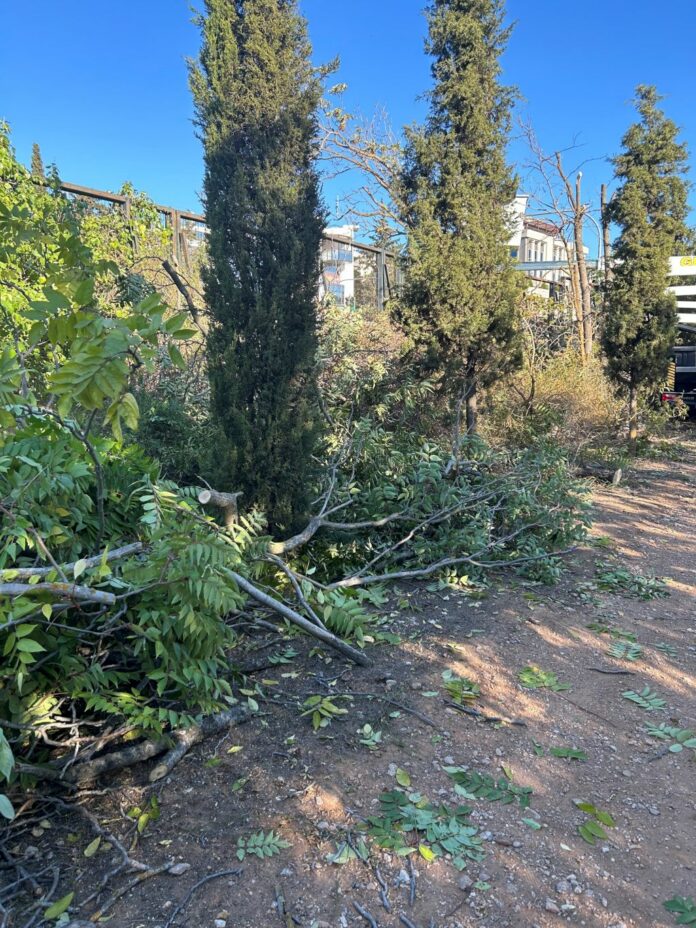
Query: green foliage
{"points": [[473, 785], [369, 737], [256, 91], [147, 647], [410, 824], [683, 908], [681, 737], [647, 699], [460, 688], [460, 304], [345, 852], [6, 767], [613, 579], [666, 648], [533, 678], [650, 207], [593, 828], [568, 753], [261, 844], [518, 506], [622, 650], [322, 710], [602, 628]]}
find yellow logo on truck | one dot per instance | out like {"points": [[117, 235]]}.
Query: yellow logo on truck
{"points": [[688, 261]]}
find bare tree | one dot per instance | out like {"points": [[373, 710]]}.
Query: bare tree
{"points": [[369, 150], [561, 200]]}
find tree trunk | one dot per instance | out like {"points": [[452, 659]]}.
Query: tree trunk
{"points": [[632, 417], [585, 291], [606, 237], [472, 411]]}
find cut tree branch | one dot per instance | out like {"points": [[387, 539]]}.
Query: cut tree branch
{"points": [[287, 613]]}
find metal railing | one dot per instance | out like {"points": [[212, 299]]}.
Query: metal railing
{"points": [[368, 275]]}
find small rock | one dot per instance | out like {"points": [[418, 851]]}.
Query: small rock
{"points": [[449, 760], [390, 684], [220, 923], [563, 887], [567, 907], [517, 844], [288, 871], [31, 851], [551, 906], [486, 835], [484, 876], [618, 925], [323, 826], [403, 879], [179, 869], [465, 883], [416, 685], [391, 770]]}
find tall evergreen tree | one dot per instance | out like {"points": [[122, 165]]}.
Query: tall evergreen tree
{"points": [[460, 302], [650, 207], [37, 165], [256, 94]]}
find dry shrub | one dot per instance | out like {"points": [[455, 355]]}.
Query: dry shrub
{"points": [[562, 399]]}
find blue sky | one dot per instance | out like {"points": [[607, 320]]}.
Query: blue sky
{"points": [[102, 86]]}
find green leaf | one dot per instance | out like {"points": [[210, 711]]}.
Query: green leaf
{"points": [[79, 568], [57, 909], [534, 825], [402, 778], [426, 852], [92, 847], [6, 809]]}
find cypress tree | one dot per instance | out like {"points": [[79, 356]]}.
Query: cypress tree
{"points": [[650, 207], [37, 165], [256, 95], [460, 303]]}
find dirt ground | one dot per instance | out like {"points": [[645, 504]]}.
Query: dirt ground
{"points": [[314, 789]]}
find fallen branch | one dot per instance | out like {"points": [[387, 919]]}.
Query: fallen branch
{"points": [[70, 591], [187, 738], [363, 913], [421, 572], [319, 522], [194, 888], [25, 573], [482, 717], [287, 613], [184, 740], [616, 673]]}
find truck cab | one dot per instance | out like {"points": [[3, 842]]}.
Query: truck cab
{"points": [[682, 377]]}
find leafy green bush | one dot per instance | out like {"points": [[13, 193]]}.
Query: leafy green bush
{"points": [[112, 585]]}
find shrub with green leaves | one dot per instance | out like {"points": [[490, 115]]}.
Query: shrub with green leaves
{"points": [[113, 593]]}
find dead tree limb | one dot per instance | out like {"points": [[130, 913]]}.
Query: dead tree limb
{"points": [[188, 737], [287, 613], [25, 573], [319, 522], [178, 282], [228, 502], [66, 591]]}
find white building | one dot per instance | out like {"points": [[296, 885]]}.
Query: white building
{"points": [[338, 264], [538, 242]]}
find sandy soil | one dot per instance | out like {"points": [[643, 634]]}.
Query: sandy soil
{"points": [[314, 789]]}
